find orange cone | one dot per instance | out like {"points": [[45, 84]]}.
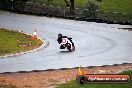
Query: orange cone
{"points": [[34, 34]]}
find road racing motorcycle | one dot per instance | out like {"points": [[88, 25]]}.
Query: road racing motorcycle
{"points": [[65, 42]]}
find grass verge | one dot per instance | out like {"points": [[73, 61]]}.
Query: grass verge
{"points": [[121, 6], [73, 84], [78, 3], [12, 42]]}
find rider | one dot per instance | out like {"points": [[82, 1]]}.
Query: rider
{"points": [[59, 38]]}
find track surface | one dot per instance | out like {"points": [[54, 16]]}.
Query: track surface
{"points": [[96, 44]]}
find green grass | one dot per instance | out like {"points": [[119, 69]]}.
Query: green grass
{"points": [[13, 42], [73, 84], [3, 12], [7, 86], [119, 6], [78, 3], [122, 6]]}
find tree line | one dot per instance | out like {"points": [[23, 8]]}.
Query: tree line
{"points": [[18, 5], [14, 5]]}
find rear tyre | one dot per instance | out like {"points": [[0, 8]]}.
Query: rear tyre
{"points": [[62, 47]]}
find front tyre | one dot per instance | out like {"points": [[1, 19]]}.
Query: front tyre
{"points": [[80, 79]]}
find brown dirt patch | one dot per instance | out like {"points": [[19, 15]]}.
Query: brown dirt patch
{"points": [[48, 79]]}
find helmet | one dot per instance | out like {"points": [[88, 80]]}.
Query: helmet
{"points": [[59, 35]]}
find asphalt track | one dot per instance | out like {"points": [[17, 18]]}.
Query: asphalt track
{"points": [[96, 43]]}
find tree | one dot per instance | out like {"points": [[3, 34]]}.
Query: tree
{"points": [[4, 4], [71, 5], [99, 0], [67, 4], [90, 11], [18, 5], [12, 4], [49, 0]]}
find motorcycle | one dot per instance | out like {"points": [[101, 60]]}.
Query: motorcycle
{"points": [[65, 42]]}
